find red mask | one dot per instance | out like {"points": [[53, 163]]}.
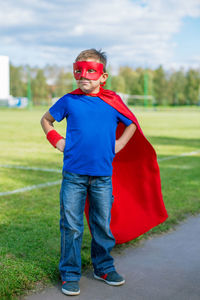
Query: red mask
{"points": [[84, 69]]}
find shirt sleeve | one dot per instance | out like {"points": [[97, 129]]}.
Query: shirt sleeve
{"points": [[59, 109], [123, 119]]}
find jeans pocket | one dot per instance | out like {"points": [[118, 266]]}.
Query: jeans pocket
{"points": [[69, 175], [113, 198]]}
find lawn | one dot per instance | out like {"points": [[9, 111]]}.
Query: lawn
{"points": [[29, 221]]}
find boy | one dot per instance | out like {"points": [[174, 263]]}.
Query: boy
{"points": [[89, 149]]}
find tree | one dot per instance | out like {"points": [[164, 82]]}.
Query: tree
{"points": [[18, 88], [64, 83], [132, 83], [192, 86], [39, 88], [176, 88], [160, 86], [118, 84]]}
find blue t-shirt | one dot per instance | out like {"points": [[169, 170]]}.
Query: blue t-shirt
{"points": [[91, 133]]}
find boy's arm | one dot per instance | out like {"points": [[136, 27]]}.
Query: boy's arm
{"points": [[125, 137], [47, 125]]}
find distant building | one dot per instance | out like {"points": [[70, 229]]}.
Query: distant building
{"points": [[4, 80]]}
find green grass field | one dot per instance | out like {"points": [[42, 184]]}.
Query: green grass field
{"points": [[29, 221]]}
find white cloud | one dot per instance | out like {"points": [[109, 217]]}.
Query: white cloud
{"points": [[131, 31]]}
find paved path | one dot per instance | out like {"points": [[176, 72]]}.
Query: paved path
{"points": [[165, 267]]}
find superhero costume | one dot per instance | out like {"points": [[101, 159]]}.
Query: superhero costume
{"points": [[138, 204]]}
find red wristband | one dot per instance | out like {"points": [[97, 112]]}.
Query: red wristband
{"points": [[53, 137]]}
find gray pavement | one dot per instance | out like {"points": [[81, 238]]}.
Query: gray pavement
{"points": [[162, 267]]}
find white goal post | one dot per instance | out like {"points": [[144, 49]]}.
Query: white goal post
{"points": [[137, 99]]}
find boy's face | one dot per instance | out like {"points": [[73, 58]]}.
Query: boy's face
{"points": [[89, 75]]}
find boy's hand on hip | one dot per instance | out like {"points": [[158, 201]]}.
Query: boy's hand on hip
{"points": [[125, 137], [61, 145], [118, 146]]}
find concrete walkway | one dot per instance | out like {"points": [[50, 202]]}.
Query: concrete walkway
{"points": [[165, 267]]}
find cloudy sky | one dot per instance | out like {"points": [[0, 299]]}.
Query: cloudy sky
{"points": [[143, 33]]}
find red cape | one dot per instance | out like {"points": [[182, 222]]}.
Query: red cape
{"points": [[138, 204]]}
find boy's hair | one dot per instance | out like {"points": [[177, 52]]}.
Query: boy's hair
{"points": [[95, 54]]}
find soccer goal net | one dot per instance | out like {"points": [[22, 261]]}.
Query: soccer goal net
{"points": [[138, 100]]}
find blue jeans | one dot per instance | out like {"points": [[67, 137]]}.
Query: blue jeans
{"points": [[74, 190]]}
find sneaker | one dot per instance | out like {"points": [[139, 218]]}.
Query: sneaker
{"points": [[111, 278], [70, 288]]}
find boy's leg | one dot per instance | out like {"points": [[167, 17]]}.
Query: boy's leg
{"points": [[101, 199], [72, 202]]}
